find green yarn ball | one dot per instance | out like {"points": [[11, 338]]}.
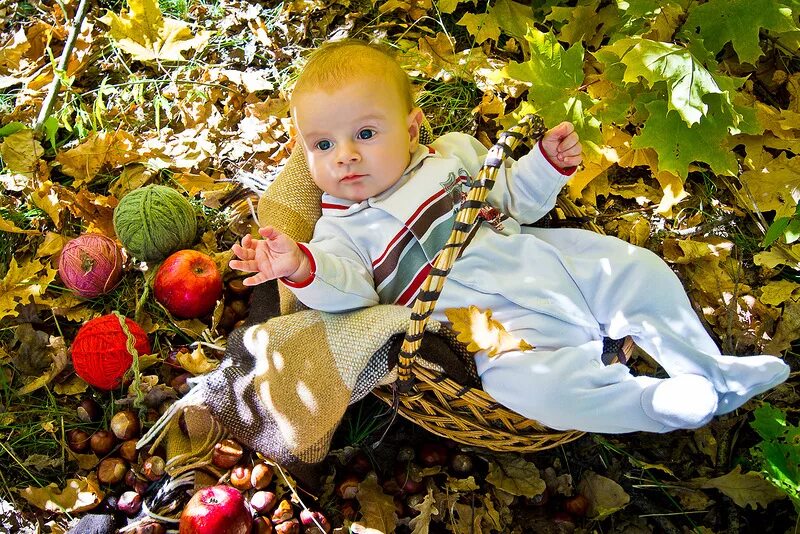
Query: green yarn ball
{"points": [[154, 221]]}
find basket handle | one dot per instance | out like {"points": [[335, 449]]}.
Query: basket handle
{"points": [[530, 126]]}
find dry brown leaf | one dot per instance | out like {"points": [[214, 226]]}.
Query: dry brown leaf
{"points": [[60, 357], [788, 327], [746, 489], [147, 35], [420, 524], [515, 475], [377, 509], [79, 495], [605, 496], [480, 332], [707, 443]]}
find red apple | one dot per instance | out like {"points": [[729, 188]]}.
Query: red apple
{"points": [[216, 510], [188, 284]]}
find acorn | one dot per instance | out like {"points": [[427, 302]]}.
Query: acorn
{"points": [[263, 501], [262, 525], [291, 526], [577, 505], [312, 521], [125, 425], [111, 470], [128, 451], [78, 440], [261, 476], [461, 464], [240, 478], [283, 512], [153, 468], [347, 488], [129, 503], [89, 411], [226, 453], [102, 442]]}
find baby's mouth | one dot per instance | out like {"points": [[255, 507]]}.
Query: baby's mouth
{"points": [[351, 177]]}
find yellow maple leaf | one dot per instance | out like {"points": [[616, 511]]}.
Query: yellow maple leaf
{"points": [[98, 150], [147, 35], [482, 26], [21, 283], [21, 152], [79, 494], [480, 332]]}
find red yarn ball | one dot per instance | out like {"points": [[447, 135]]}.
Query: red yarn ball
{"points": [[90, 265], [99, 351]]}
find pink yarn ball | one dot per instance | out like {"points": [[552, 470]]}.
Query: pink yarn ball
{"points": [[90, 265]]}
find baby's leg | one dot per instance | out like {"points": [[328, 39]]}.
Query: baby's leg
{"points": [[631, 291], [570, 388]]}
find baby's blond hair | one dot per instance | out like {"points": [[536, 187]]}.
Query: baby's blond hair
{"points": [[336, 63]]}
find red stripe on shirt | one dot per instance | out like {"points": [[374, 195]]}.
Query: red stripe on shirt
{"points": [[411, 290], [325, 205]]}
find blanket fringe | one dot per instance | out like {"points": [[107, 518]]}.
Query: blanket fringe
{"points": [[165, 497]]}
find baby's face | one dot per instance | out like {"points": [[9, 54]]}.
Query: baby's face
{"points": [[358, 138]]}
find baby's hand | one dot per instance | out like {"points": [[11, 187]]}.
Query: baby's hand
{"points": [[562, 145], [275, 256]]}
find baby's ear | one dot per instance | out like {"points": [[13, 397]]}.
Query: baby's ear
{"points": [[415, 118]]}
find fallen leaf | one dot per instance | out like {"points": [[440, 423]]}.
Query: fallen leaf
{"points": [[10, 227], [147, 35], [707, 443], [480, 332], [745, 489], [100, 150], [605, 496], [74, 385], [79, 495], [377, 509], [22, 283], [776, 292], [420, 524], [515, 475], [60, 358], [21, 152], [42, 462]]}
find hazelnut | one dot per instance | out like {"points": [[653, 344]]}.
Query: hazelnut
{"points": [[102, 442], [226, 454], [129, 503], [153, 468], [262, 525], [125, 425], [240, 478], [284, 512], [261, 476], [128, 451], [78, 440], [348, 487], [291, 526], [263, 501], [461, 463], [111, 470], [89, 411]]}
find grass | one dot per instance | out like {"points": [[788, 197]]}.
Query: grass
{"points": [[448, 105]]}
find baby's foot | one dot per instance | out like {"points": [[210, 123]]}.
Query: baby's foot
{"points": [[684, 401], [746, 377]]}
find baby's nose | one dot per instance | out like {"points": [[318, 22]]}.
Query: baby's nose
{"points": [[348, 153]]}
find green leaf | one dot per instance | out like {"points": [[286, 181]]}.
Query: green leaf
{"points": [[774, 231], [792, 233], [483, 26], [769, 422], [678, 145], [551, 71], [738, 22], [11, 128], [512, 17], [687, 80]]}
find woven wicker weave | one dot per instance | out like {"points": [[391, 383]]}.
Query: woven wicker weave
{"points": [[435, 402]]}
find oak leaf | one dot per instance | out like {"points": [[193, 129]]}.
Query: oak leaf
{"points": [[746, 489], [480, 332], [515, 475], [427, 508], [147, 35]]}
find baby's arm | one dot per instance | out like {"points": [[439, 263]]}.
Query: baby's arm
{"points": [[562, 146], [275, 256]]}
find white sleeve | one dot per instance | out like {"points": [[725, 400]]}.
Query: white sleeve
{"points": [[525, 190], [340, 277]]}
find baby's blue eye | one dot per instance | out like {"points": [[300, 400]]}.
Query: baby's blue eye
{"points": [[366, 133], [324, 145]]}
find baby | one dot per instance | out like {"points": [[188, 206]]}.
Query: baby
{"points": [[388, 207]]}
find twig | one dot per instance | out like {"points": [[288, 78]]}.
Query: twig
{"points": [[55, 85]]}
